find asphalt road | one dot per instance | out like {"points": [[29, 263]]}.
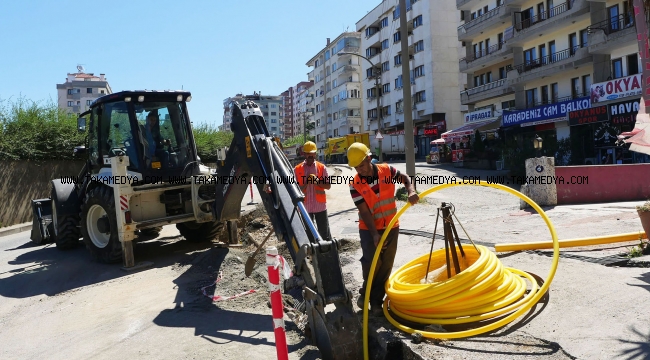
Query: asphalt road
{"points": [[61, 305]]}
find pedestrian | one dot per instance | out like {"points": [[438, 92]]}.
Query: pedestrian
{"points": [[313, 180], [373, 192]]}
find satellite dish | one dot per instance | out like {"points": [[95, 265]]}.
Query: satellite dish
{"points": [[80, 68]]}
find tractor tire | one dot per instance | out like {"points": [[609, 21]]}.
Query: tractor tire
{"points": [[66, 232], [199, 232], [103, 243]]}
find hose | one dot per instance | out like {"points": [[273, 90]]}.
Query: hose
{"points": [[485, 290]]}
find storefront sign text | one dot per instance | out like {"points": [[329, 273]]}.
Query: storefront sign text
{"points": [[545, 112], [478, 115], [616, 89], [624, 112], [588, 116]]}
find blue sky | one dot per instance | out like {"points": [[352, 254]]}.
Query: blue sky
{"points": [[214, 49]]}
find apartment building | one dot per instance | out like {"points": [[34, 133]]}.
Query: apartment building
{"points": [[80, 89], [271, 107], [286, 111], [433, 61], [533, 64], [303, 111], [336, 75]]}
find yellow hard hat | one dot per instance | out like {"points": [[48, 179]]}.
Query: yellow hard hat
{"points": [[309, 147], [357, 152]]}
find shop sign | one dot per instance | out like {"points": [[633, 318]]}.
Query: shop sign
{"points": [[478, 115], [624, 112], [616, 89], [401, 132], [556, 111], [588, 116]]}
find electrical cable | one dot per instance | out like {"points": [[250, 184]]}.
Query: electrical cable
{"points": [[485, 290]]}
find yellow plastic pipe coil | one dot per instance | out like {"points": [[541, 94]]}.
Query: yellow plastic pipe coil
{"points": [[485, 290]]}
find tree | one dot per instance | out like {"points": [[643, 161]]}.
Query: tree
{"points": [[478, 146], [209, 139], [297, 140]]}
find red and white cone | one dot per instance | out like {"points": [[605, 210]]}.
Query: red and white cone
{"points": [[273, 264]]}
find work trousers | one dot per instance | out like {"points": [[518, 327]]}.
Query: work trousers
{"points": [[383, 267], [322, 223]]}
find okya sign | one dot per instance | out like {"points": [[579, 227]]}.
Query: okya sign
{"points": [[544, 113], [588, 116], [478, 115], [617, 89]]}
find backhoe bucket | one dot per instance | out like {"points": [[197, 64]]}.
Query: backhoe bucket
{"points": [[42, 226]]}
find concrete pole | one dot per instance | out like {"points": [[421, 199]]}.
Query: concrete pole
{"points": [[380, 119], [406, 91]]}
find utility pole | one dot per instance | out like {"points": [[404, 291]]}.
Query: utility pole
{"points": [[377, 75], [406, 92]]}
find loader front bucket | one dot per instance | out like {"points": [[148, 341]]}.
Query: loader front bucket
{"points": [[42, 225]]}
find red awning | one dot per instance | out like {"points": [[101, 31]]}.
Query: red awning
{"points": [[467, 129], [438, 141]]}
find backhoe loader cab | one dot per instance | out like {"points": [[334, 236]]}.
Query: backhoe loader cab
{"points": [[142, 171]]}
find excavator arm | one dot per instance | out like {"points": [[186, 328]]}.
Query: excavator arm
{"points": [[255, 155]]}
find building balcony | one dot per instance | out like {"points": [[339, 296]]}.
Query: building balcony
{"points": [[560, 16], [556, 100], [484, 92], [550, 65], [350, 69], [608, 35], [490, 19], [490, 56], [466, 4]]}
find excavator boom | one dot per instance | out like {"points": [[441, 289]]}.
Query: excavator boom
{"points": [[255, 155]]}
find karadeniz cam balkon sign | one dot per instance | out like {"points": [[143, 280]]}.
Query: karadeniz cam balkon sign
{"points": [[545, 112]]}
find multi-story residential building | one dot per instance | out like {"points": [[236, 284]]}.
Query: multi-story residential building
{"points": [[271, 107], [286, 112], [530, 63], [433, 58], [302, 107], [337, 89], [80, 89]]}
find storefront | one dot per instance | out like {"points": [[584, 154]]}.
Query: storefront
{"points": [[459, 140], [426, 133]]}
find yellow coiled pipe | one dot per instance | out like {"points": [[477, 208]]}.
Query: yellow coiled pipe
{"points": [[485, 290]]}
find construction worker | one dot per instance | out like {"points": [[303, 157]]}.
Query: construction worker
{"points": [[312, 177], [373, 192]]}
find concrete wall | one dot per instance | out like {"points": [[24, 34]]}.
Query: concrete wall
{"points": [[606, 183], [22, 181]]}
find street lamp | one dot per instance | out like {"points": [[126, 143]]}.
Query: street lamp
{"points": [[380, 125], [537, 144]]}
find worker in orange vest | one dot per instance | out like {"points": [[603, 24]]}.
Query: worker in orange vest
{"points": [[312, 177], [373, 192]]}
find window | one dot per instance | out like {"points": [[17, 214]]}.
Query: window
{"points": [[386, 88], [612, 11], [584, 38], [371, 93], [396, 13], [573, 43], [508, 105], [273, 113], [545, 98], [372, 114], [70, 91], [265, 114], [489, 77], [419, 97], [499, 3], [482, 79], [541, 15], [397, 37], [70, 103], [397, 60], [417, 21], [385, 66], [89, 90], [399, 106], [418, 71], [529, 56], [384, 22], [274, 105], [586, 84], [369, 73], [274, 128], [354, 93], [384, 44], [101, 91], [419, 46], [575, 87], [477, 81], [398, 82], [542, 54], [334, 67], [385, 111], [551, 51], [274, 120], [502, 73], [531, 98], [554, 92], [632, 64], [473, 16], [88, 102], [617, 68]]}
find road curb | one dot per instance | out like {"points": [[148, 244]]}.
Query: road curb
{"points": [[15, 229]]}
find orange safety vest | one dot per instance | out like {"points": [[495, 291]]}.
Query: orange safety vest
{"points": [[300, 178], [382, 206]]}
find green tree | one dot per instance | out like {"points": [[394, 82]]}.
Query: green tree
{"points": [[209, 139], [297, 140], [478, 145]]}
